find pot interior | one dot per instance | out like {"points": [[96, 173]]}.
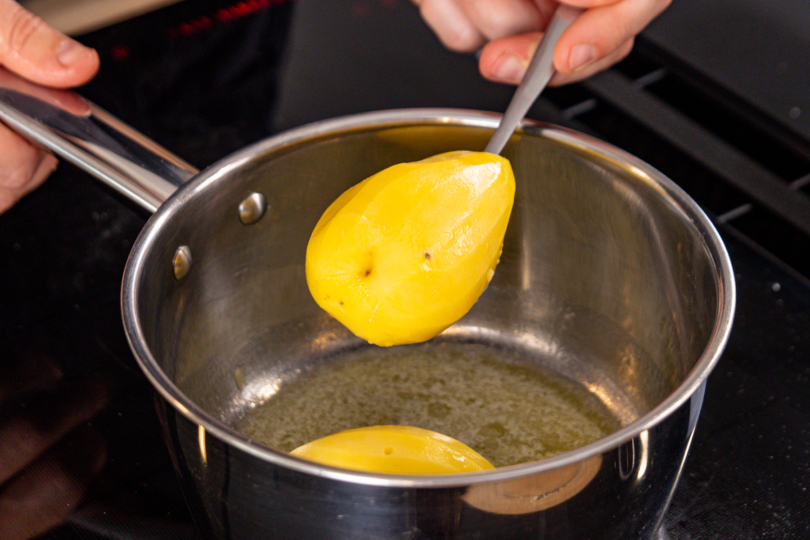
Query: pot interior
{"points": [[606, 288]]}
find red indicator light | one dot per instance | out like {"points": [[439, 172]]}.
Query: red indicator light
{"points": [[120, 53], [237, 11]]}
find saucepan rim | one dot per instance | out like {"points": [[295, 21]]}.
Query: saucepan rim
{"points": [[693, 382]]}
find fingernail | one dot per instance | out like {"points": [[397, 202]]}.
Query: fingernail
{"points": [[508, 68], [581, 56], [69, 51]]}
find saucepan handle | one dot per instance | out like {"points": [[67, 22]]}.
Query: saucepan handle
{"points": [[94, 140]]}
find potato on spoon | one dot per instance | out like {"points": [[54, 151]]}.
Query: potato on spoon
{"points": [[405, 253]]}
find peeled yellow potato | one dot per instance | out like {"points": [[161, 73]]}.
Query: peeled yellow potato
{"points": [[407, 252], [394, 450]]}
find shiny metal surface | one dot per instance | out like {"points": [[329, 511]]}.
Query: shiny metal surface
{"points": [[252, 209], [94, 140], [181, 262], [610, 277], [620, 493], [538, 75]]}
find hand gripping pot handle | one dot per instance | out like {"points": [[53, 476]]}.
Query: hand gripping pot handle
{"points": [[94, 140]]}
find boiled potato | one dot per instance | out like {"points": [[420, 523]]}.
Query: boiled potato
{"points": [[394, 450], [405, 253]]}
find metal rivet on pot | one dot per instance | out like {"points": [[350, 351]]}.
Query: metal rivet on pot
{"points": [[181, 262], [252, 208]]}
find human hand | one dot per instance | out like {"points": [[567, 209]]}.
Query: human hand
{"points": [[48, 452], [510, 30], [37, 52]]}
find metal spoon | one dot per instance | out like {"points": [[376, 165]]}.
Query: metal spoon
{"points": [[537, 76]]}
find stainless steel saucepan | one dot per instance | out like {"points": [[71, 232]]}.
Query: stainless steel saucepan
{"points": [[611, 277]]}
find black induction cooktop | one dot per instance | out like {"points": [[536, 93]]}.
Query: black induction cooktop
{"points": [[208, 77]]}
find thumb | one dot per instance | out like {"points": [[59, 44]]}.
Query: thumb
{"points": [[34, 50]]}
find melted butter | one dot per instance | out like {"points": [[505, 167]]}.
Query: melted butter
{"points": [[507, 410]]}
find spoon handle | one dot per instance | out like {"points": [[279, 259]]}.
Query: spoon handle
{"points": [[537, 76]]}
